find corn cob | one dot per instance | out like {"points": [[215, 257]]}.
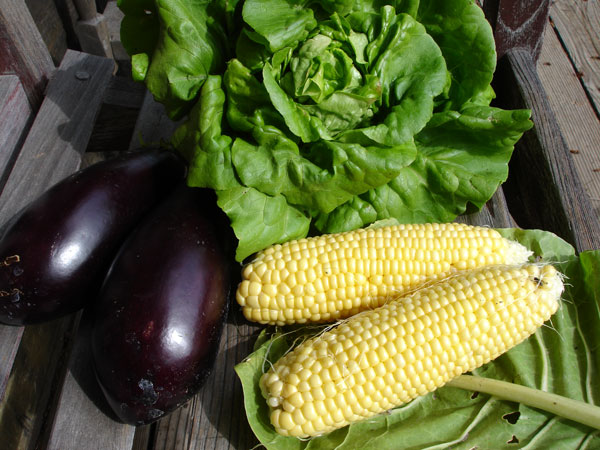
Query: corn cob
{"points": [[332, 277], [383, 358]]}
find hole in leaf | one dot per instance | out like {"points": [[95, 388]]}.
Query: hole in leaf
{"points": [[512, 417], [513, 440], [474, 395]]}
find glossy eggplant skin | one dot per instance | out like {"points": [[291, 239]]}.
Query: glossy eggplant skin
{"points": [[55, 252], [162, 307]]}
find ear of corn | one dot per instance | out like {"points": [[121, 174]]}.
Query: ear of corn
{"points": [[332, 277], [382, 358]]}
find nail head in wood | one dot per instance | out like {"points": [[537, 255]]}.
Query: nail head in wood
{"points": [[82, 75]]}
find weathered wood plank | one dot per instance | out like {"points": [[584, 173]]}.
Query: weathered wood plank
{"points": [[51, 151], [92, 29], [93, 425], [23, 51], [574, 113], [61, 131], [114, 128], [10, 338], [543, 190], [93, 36], [578, 24], [13, 105], [114, 16], [69, 16], [50, 26], [517, 24], [86, 9], [36, 374]]}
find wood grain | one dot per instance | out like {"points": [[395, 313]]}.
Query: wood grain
{"points": [[93, 427], [10, 338], [93, 36], [13, 104], [575, 115], [114, 16], [23, 51], [50, 26], [578, 24], [69, 16], [36, 374], [123, 91], [61, 131], [543, 190], [86, 9]]}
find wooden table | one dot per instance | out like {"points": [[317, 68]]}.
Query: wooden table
{"points": [[49, 398]]}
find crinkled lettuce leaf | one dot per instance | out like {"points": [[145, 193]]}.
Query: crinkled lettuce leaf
{"points": [[175, 45], [345, 112], [460, 29], [462, 158], [313, 128], [562, 357]]}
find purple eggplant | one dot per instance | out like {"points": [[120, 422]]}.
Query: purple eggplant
{"points": [[56, 251], [161, 309]]}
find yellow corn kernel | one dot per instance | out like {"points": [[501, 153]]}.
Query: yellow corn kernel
{"points": [[421, 361], [345, 273]]}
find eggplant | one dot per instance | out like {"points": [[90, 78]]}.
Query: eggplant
{"points": [[55, 253], [161, 310]]}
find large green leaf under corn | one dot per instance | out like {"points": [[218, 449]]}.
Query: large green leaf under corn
{"points": [[562, 357], [327, 115]]}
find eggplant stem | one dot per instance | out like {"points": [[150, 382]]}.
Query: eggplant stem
{"points": [[578, 411]]}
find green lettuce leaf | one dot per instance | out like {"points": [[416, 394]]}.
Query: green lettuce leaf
{"points": [[562, 357], [338, 112], [280, 23], [462, 158], [257, 218], [300, 130], [466, 38], [176, 45], [210, 164]]}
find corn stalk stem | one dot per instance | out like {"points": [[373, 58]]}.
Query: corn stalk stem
{"points": [[576, 410]]}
